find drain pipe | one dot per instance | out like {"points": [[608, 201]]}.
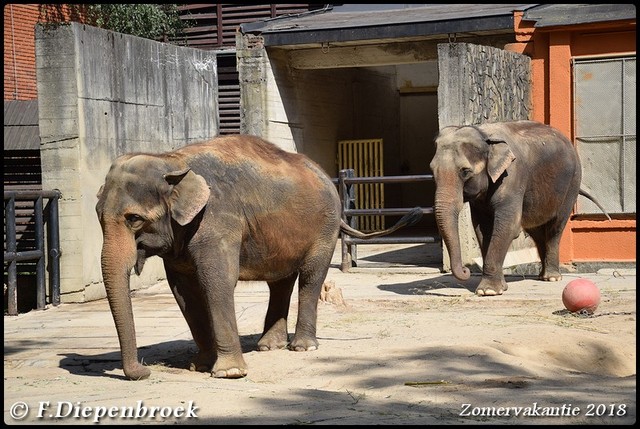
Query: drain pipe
{"points": [[13, 49]]}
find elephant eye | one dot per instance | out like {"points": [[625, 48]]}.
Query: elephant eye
{"points": [[466, 173], [134, 220]]}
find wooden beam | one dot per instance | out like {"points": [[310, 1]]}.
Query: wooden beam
{"points": [[384, 53], [328, 56]]}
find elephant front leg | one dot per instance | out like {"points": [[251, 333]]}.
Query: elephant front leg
{"points": [[275, 335], [229, 360], [492, 282], [219, 284], [492, 285], [503, 233], [191, 300]]}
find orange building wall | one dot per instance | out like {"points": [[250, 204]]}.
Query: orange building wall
{"points": [[551, 51]]}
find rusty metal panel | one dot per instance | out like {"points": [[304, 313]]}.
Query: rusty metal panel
{"points": [[214, 26]]}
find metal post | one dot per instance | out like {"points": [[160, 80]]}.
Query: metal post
{"points": [[54, 250], [344, 197], [12, 257], [41, 296], [350, 202], [12, 271]]}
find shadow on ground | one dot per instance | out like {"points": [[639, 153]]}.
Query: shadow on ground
{"points": [[171, 354], [468, 373]]}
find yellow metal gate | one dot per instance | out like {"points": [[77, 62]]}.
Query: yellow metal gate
{"points": [[365, 157]]}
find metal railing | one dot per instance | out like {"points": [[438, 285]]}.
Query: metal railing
{"points": [[347, 195], [12, 255]]}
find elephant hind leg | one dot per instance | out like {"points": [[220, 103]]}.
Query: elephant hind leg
{"points": [[312, 276], [203, 361], [275, 335], [547, 240]]}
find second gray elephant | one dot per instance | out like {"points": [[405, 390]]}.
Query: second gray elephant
{"points": [[520, 175]]}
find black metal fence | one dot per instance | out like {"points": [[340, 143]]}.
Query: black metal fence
{"points": [[345, 183], [47, 215], [13, 253]]}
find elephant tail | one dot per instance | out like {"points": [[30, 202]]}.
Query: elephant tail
{"points": [[594, 201], [407, 220]]}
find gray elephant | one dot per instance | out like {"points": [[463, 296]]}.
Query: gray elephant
{"points": [[520, 175], [234, 208]]}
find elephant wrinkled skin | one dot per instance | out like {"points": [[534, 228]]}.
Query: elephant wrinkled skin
{"points": [[515, 175], [234, 208]]}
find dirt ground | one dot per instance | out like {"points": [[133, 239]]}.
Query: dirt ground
{"points": [[400, 344]]}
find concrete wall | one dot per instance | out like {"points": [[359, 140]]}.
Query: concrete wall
{"points": [[305, 111], [311, 110], [376, 110], [417, 84], [102, 94]]}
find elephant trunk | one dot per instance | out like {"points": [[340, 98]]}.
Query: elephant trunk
{"points": [[118, 258], [448, 203]]}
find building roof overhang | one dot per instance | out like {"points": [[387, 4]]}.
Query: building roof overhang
{"points": [[345, 25]]}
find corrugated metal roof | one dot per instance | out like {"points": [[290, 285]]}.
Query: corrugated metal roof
{"points": [[18, 112], [347, 24], [21, 125], [548, 15], [333, 25]]}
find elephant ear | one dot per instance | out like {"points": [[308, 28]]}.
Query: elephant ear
{"points": [[100, 203], [189, 195], [500, 157]]}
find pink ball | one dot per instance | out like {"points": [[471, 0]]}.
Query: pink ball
{"points": [[581, 294]]}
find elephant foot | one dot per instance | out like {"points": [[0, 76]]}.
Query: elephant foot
{"points": [[137, 371], [275, 335], [304, 345], [272, 342], [550, 277], [203, 361], [229, 373], [488, 288], [229, 368]]}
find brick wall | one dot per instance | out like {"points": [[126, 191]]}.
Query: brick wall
{"points": [[19, 46]]}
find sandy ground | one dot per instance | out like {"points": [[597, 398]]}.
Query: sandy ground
{"points": [[399, 344]]}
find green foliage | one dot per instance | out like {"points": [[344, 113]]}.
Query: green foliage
{"points": [[151, 21]]}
